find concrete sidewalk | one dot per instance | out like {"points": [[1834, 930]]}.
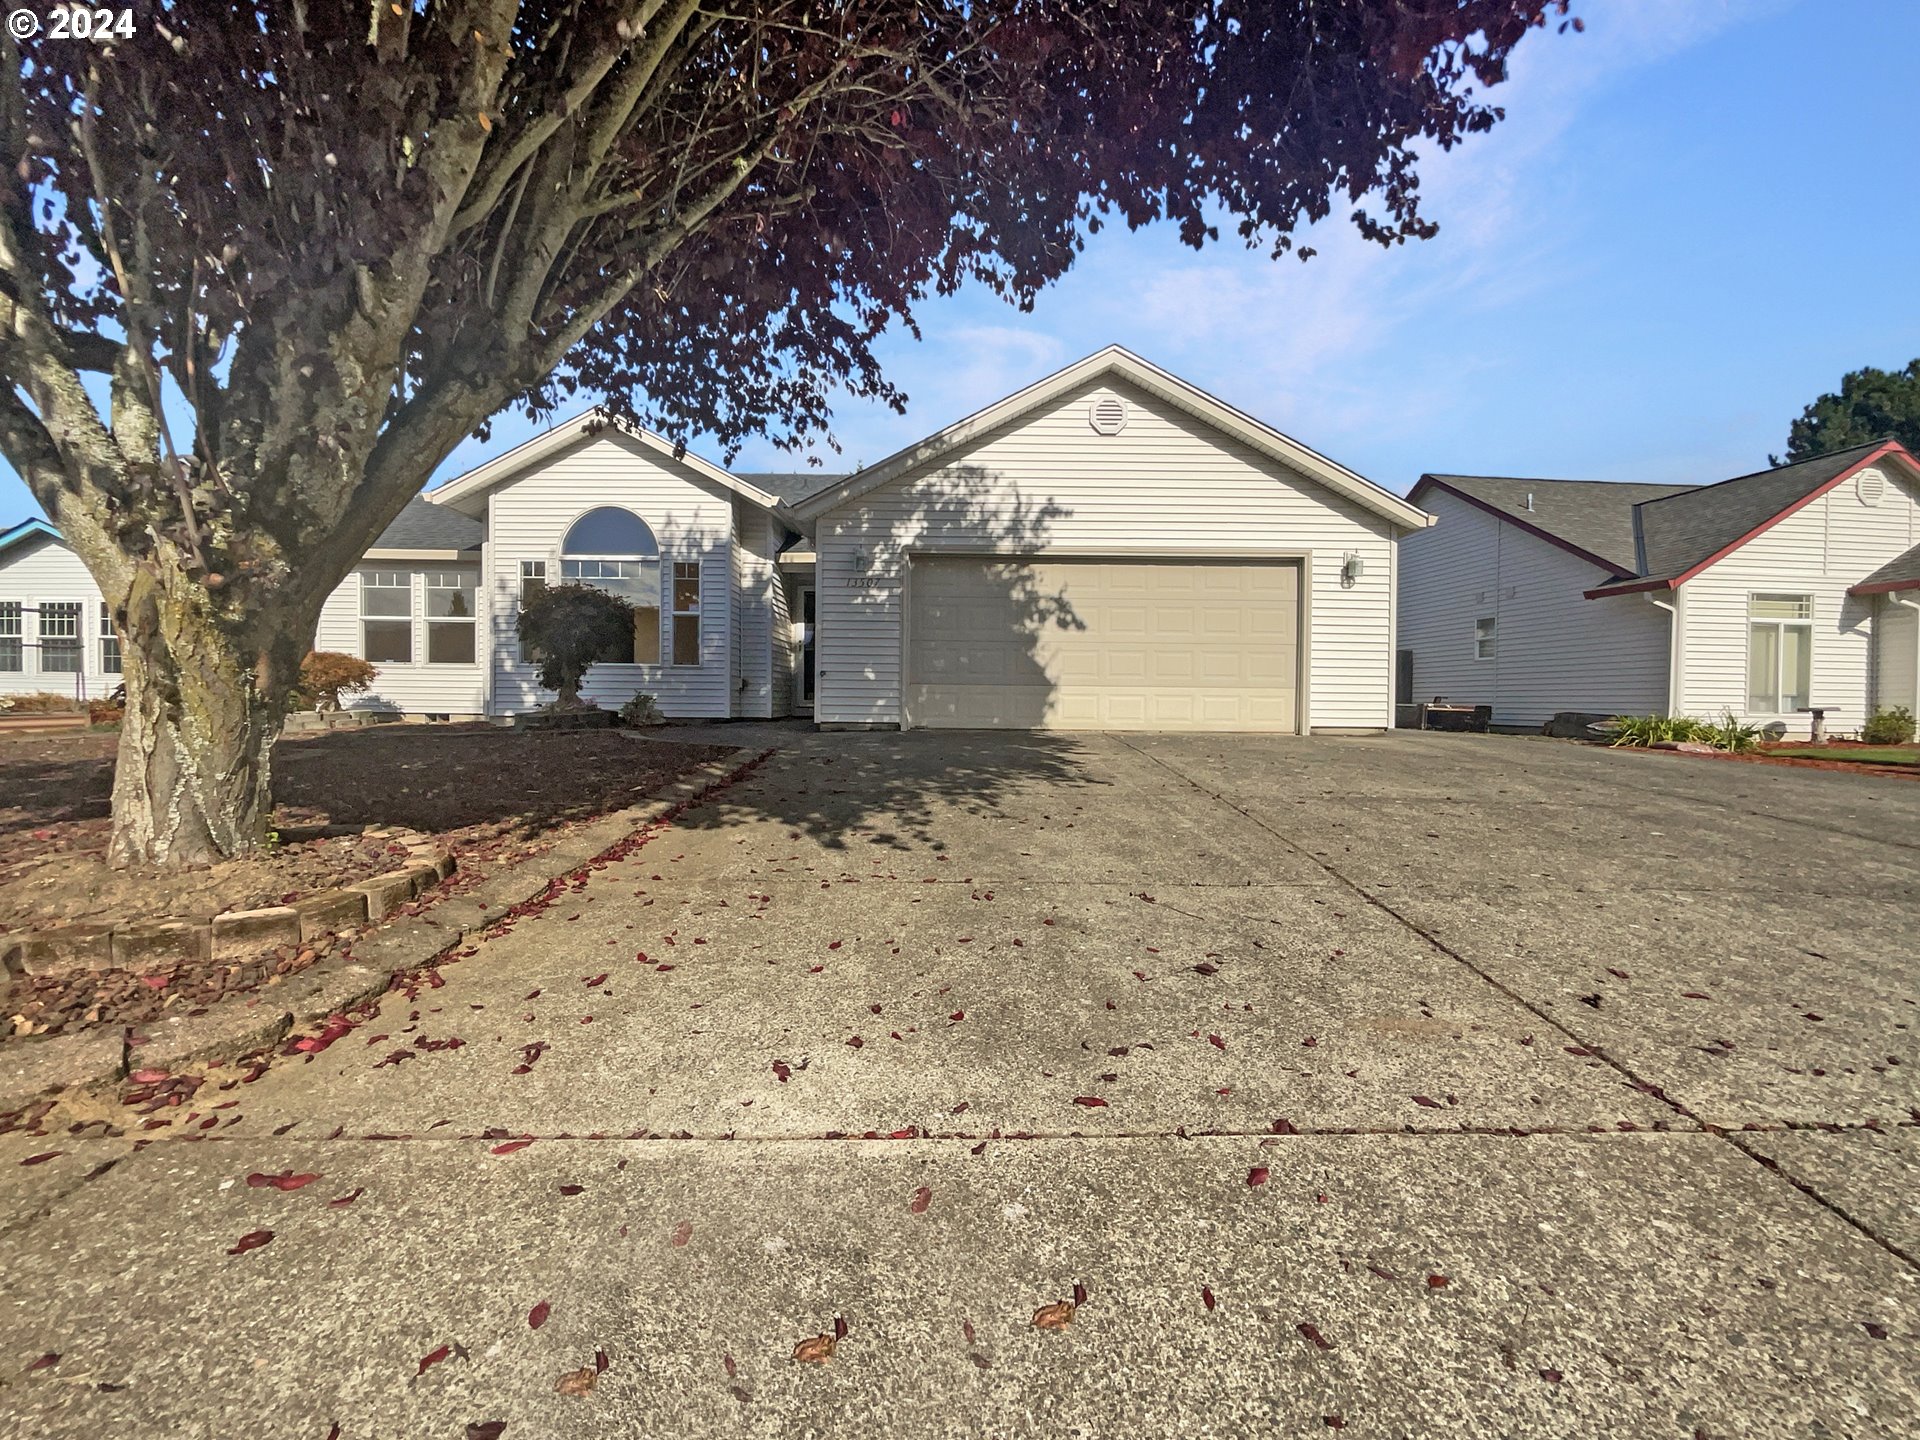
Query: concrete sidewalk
{"points": [[1434, 994]]}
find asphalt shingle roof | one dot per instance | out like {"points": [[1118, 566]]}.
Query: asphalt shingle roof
{"points": [[424, 525], [1902, 570], [789, 485], [1682, 530], [1593, 515]]}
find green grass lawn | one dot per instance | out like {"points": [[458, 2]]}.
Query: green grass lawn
{"points": [[1853, 754]]}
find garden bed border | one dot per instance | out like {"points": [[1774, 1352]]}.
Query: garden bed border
{"points": [[34, 1070]]}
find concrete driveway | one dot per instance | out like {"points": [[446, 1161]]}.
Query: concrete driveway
{"points": [[1399, 1086]]}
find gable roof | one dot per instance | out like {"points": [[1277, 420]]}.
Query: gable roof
{"points": [[1590, 518], [1125, 365], [422, 525], [26, 530], [1900, 573], [467, 492], [791, 486], [1683, 534]]}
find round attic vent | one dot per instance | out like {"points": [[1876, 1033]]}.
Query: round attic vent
{"points": [[1108, 415], [1870, 487]]}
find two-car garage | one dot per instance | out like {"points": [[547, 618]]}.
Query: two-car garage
{"points": [[1108, 549], [1102, 644]]}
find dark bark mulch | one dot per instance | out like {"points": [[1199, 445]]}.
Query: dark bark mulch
{"points": [[486, 793]]}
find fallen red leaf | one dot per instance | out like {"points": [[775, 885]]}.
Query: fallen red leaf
{"points": [[486, 1430], [1313, 1336], [1092, 1102], [511, 1146], [599, 979], [155, 982], [1216, 1042], [1427, 1102], [346, 1200], [537, 1316], [42, 1157], [1552, 1377], [922, 1198], [682, 1233], [600, 1361], [571, 1189], [287, 1180], [51, 1358], [148, 1077], [1257, 1175], [252, 1240], [431, 1359], [1206, 1297], [1437, 1282]]}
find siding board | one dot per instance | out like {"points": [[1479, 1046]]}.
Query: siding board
{"points": [[1047, 484]]}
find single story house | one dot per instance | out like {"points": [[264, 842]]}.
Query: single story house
{"points": [[1761, 595], [1110, 548]]}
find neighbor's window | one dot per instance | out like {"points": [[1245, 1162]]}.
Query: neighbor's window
{"points": [[533, 584], [686, 612], [450, 597], [1483, 637], [13, 647], [60, 645], [1779, 653], [386, 616], [109, 643], [612, 549]]}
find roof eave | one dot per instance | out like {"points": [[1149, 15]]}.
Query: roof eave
{"points": [[1580, 552], [1115, 359]]}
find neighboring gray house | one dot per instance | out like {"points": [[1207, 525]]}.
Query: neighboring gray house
{"points": [[1110, 548], [1759, 595]]}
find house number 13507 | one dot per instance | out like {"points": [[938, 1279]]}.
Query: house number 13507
{"points": [[862, 582]]}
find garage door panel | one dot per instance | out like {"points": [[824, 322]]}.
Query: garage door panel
{"points": [[1173, 644]]}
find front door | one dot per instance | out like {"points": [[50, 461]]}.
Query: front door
{"points": [[803, 635]]}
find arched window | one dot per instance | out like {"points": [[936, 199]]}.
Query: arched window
{"points": [[612, 549]]}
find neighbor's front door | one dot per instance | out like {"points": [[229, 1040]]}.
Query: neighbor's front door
{"points": [[803, 633]]}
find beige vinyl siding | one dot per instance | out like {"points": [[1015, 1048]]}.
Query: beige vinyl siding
{"points": [[1896, 678], [1819, 550], [417, 688], [755, 586], [1047, 485], [691, 519], [1553, 648], [44, 569]]}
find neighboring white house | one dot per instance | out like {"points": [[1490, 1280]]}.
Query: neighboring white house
{"points": [[1108, 549], [1761, 595]]}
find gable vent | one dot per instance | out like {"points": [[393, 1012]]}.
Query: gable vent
{"points": [[1108, 415], [1870, 487]]}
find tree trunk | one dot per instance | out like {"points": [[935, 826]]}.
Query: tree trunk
{"points": [[205, 703]]}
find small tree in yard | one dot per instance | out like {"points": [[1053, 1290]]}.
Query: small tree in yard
{"points": [[309, 247], [326, 675], [572, 628]]}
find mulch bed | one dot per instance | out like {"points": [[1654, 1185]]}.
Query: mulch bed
{"points": [[489, 795], [1765, 756]]}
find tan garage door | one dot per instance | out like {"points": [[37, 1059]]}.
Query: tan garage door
{"points": [[1103, 644]]}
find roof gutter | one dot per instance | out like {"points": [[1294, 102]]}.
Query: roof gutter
{"points": [[1676, 670]]}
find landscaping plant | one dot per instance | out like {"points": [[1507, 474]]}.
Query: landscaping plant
{"points": [[1730, 734], [572, 628], [1889, 727], [641, 710], [326, 675], [1646, 730], [264, 264]]}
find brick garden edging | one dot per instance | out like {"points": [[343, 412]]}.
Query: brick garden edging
{"points": [[31, 1069]]}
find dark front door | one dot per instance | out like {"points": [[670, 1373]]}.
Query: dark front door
{"points": [[806, 645]]}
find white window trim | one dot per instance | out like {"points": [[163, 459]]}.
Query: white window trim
{"points": [[673, 599], [110, 641], [470, 586], [1779, 626], [411, 619], [1487, 646], [79, 636], [18, 634]]}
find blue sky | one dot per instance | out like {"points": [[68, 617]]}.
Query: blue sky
{"points": [[1696, 217]]}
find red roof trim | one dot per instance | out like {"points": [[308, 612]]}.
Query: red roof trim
{"points": [[1512, 519], [1890, 448], [1883, 587]]}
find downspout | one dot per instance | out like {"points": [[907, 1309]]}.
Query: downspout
{"points": [[1675, 672]]}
